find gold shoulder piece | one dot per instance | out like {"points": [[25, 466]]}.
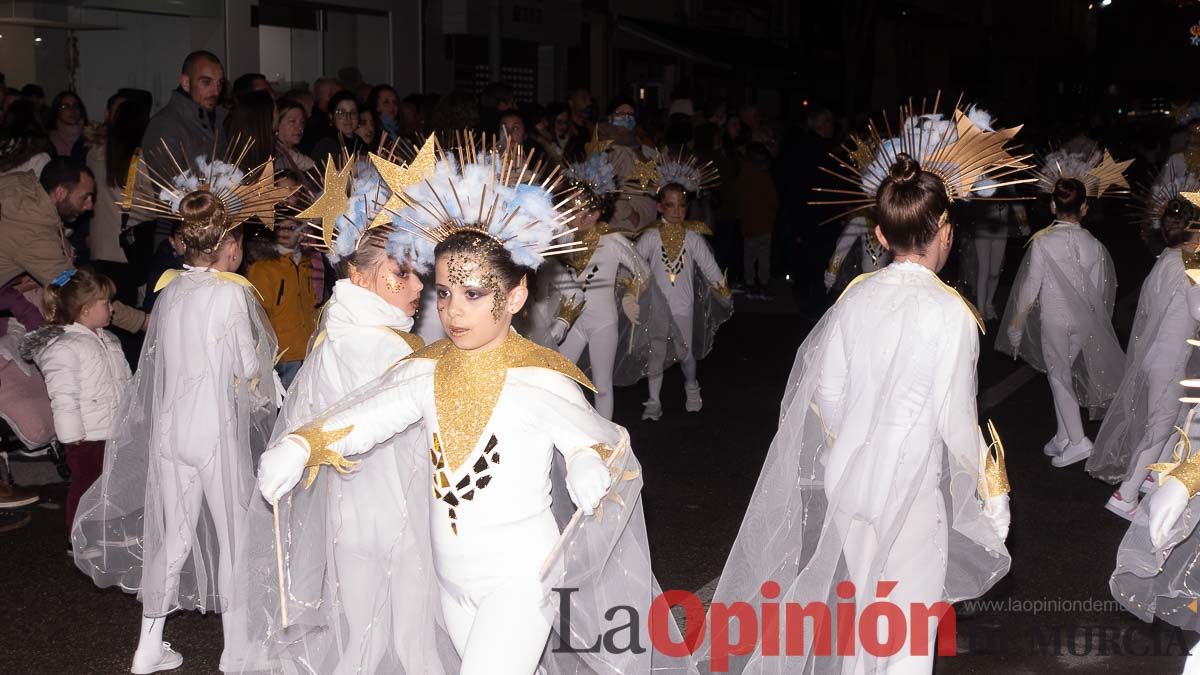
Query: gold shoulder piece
{"points": [[1042, 232], [966, 303], [526, 354], [414, 342], [166, 279], [698, 226], [433, 351]]}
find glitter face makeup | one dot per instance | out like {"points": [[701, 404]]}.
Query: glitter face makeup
{"points": [[469, 269]]}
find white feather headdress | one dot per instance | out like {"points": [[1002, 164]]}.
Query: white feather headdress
{"points": [[1100, 174], [477, 187], [970, 156]]}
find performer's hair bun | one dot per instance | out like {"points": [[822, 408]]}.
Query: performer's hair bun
{"points": [[204, 221], [904, 170], [1069, 196], [910, 205]]}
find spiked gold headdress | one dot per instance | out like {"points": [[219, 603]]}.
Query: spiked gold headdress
{"points": [[965, 152], [1100, 174], [1153, 200], [365, 216], [651, 176], [243, 194], [504, 195]]}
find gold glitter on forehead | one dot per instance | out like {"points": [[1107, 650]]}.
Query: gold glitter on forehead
{"points": [[472, 269]]}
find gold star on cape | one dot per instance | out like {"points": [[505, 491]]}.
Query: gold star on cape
{"points": [[333, 202], [400, 178], [596, 146], [319, 453]]}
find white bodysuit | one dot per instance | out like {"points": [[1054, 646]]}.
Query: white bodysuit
{"points": [[1060, 309], [675, 253], [595, 284], [489, 481]]}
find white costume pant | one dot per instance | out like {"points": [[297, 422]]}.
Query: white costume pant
{"points": [[1060, 339], [687, 360], [989, 253], [601, 343], [185, 491], [917, 561], [492, 598]]}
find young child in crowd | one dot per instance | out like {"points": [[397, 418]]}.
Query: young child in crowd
{"points": [[86, 372]]}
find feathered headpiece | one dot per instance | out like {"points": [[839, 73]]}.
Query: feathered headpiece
{"points": [[969, 156], [243, 194], [596, 182], [1100, 174], [651, 176], [477, 187], [349, 222], [1154, 199]]}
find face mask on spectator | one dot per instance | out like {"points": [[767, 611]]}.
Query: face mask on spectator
{"points": [[625, 121]]}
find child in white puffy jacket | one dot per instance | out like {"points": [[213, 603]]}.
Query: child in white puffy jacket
{"points": [[86, 372]]}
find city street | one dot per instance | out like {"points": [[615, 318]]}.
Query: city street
{"points": [[1053, 613]]}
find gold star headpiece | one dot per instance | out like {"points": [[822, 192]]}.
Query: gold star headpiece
{"points": [[964, 152]]}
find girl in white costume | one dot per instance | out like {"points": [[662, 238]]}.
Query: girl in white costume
{"points": [[1156, 570], [494, 407], [588, 284], [1144, 413], [353, 559], [1059, 313], [168, 514], [878, 472], [686, 272]]}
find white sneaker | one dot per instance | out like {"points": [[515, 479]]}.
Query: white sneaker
{"points": [[1122, 508], [168, 659], [653, 410], [1074, 452], [1147, 486], [694, 402], [1054, 447]]}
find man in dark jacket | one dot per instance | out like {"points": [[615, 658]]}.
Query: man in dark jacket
{"points": [[191, 123]]}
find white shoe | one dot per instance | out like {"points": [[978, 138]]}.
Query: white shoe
{"points": [[694, 402], [1126, 510], [1147, 486], [168, 659], [1054, 447], [653, 410], [1074, 452]]}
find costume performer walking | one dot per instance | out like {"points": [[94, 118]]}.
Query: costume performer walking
{"points": [[1142, 418], [354, 571], [879, 474], [590, 281], [685, 270], [1059, 312], [494, 408], [168, 513]]}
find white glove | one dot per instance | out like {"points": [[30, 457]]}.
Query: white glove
{"points": [[558, 331], [588, 480], [1015, 334], [281, 467], [633, 311], [830, 280], [1166, 505], [996, 510]]}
